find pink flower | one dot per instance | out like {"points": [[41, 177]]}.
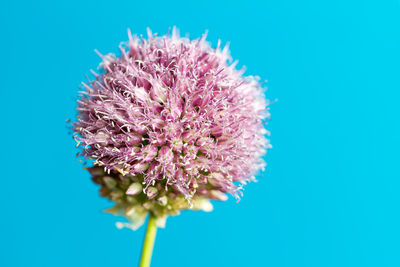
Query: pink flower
{"points": [[173, 115]]}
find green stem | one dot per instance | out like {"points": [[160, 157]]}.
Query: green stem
{"points": [[148, 242]]}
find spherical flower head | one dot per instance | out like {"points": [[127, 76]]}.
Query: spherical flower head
{"points": [[171, 124]]}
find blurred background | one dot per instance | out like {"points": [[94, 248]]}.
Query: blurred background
{"points": [[330, 193]]}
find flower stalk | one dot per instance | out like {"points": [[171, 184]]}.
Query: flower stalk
{"points": [[148, 243]]}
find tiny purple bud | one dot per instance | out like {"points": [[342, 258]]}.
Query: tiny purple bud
{"points": [[162, 200], [101, 137], [157, 93], [134, 189], [151, 192], [218, 195], [140, 167], [149, 152]]}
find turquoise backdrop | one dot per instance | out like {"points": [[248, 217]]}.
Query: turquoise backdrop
{"points": [[330, 194]]}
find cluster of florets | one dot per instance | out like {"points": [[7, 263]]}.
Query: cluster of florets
{"points": [[170, 124]]}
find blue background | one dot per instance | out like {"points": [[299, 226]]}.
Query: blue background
{"points": [[330, 194]]}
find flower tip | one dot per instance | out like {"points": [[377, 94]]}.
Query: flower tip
{"points": [[151, 192], [134, 189], [218, 195], [203, 204]]}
